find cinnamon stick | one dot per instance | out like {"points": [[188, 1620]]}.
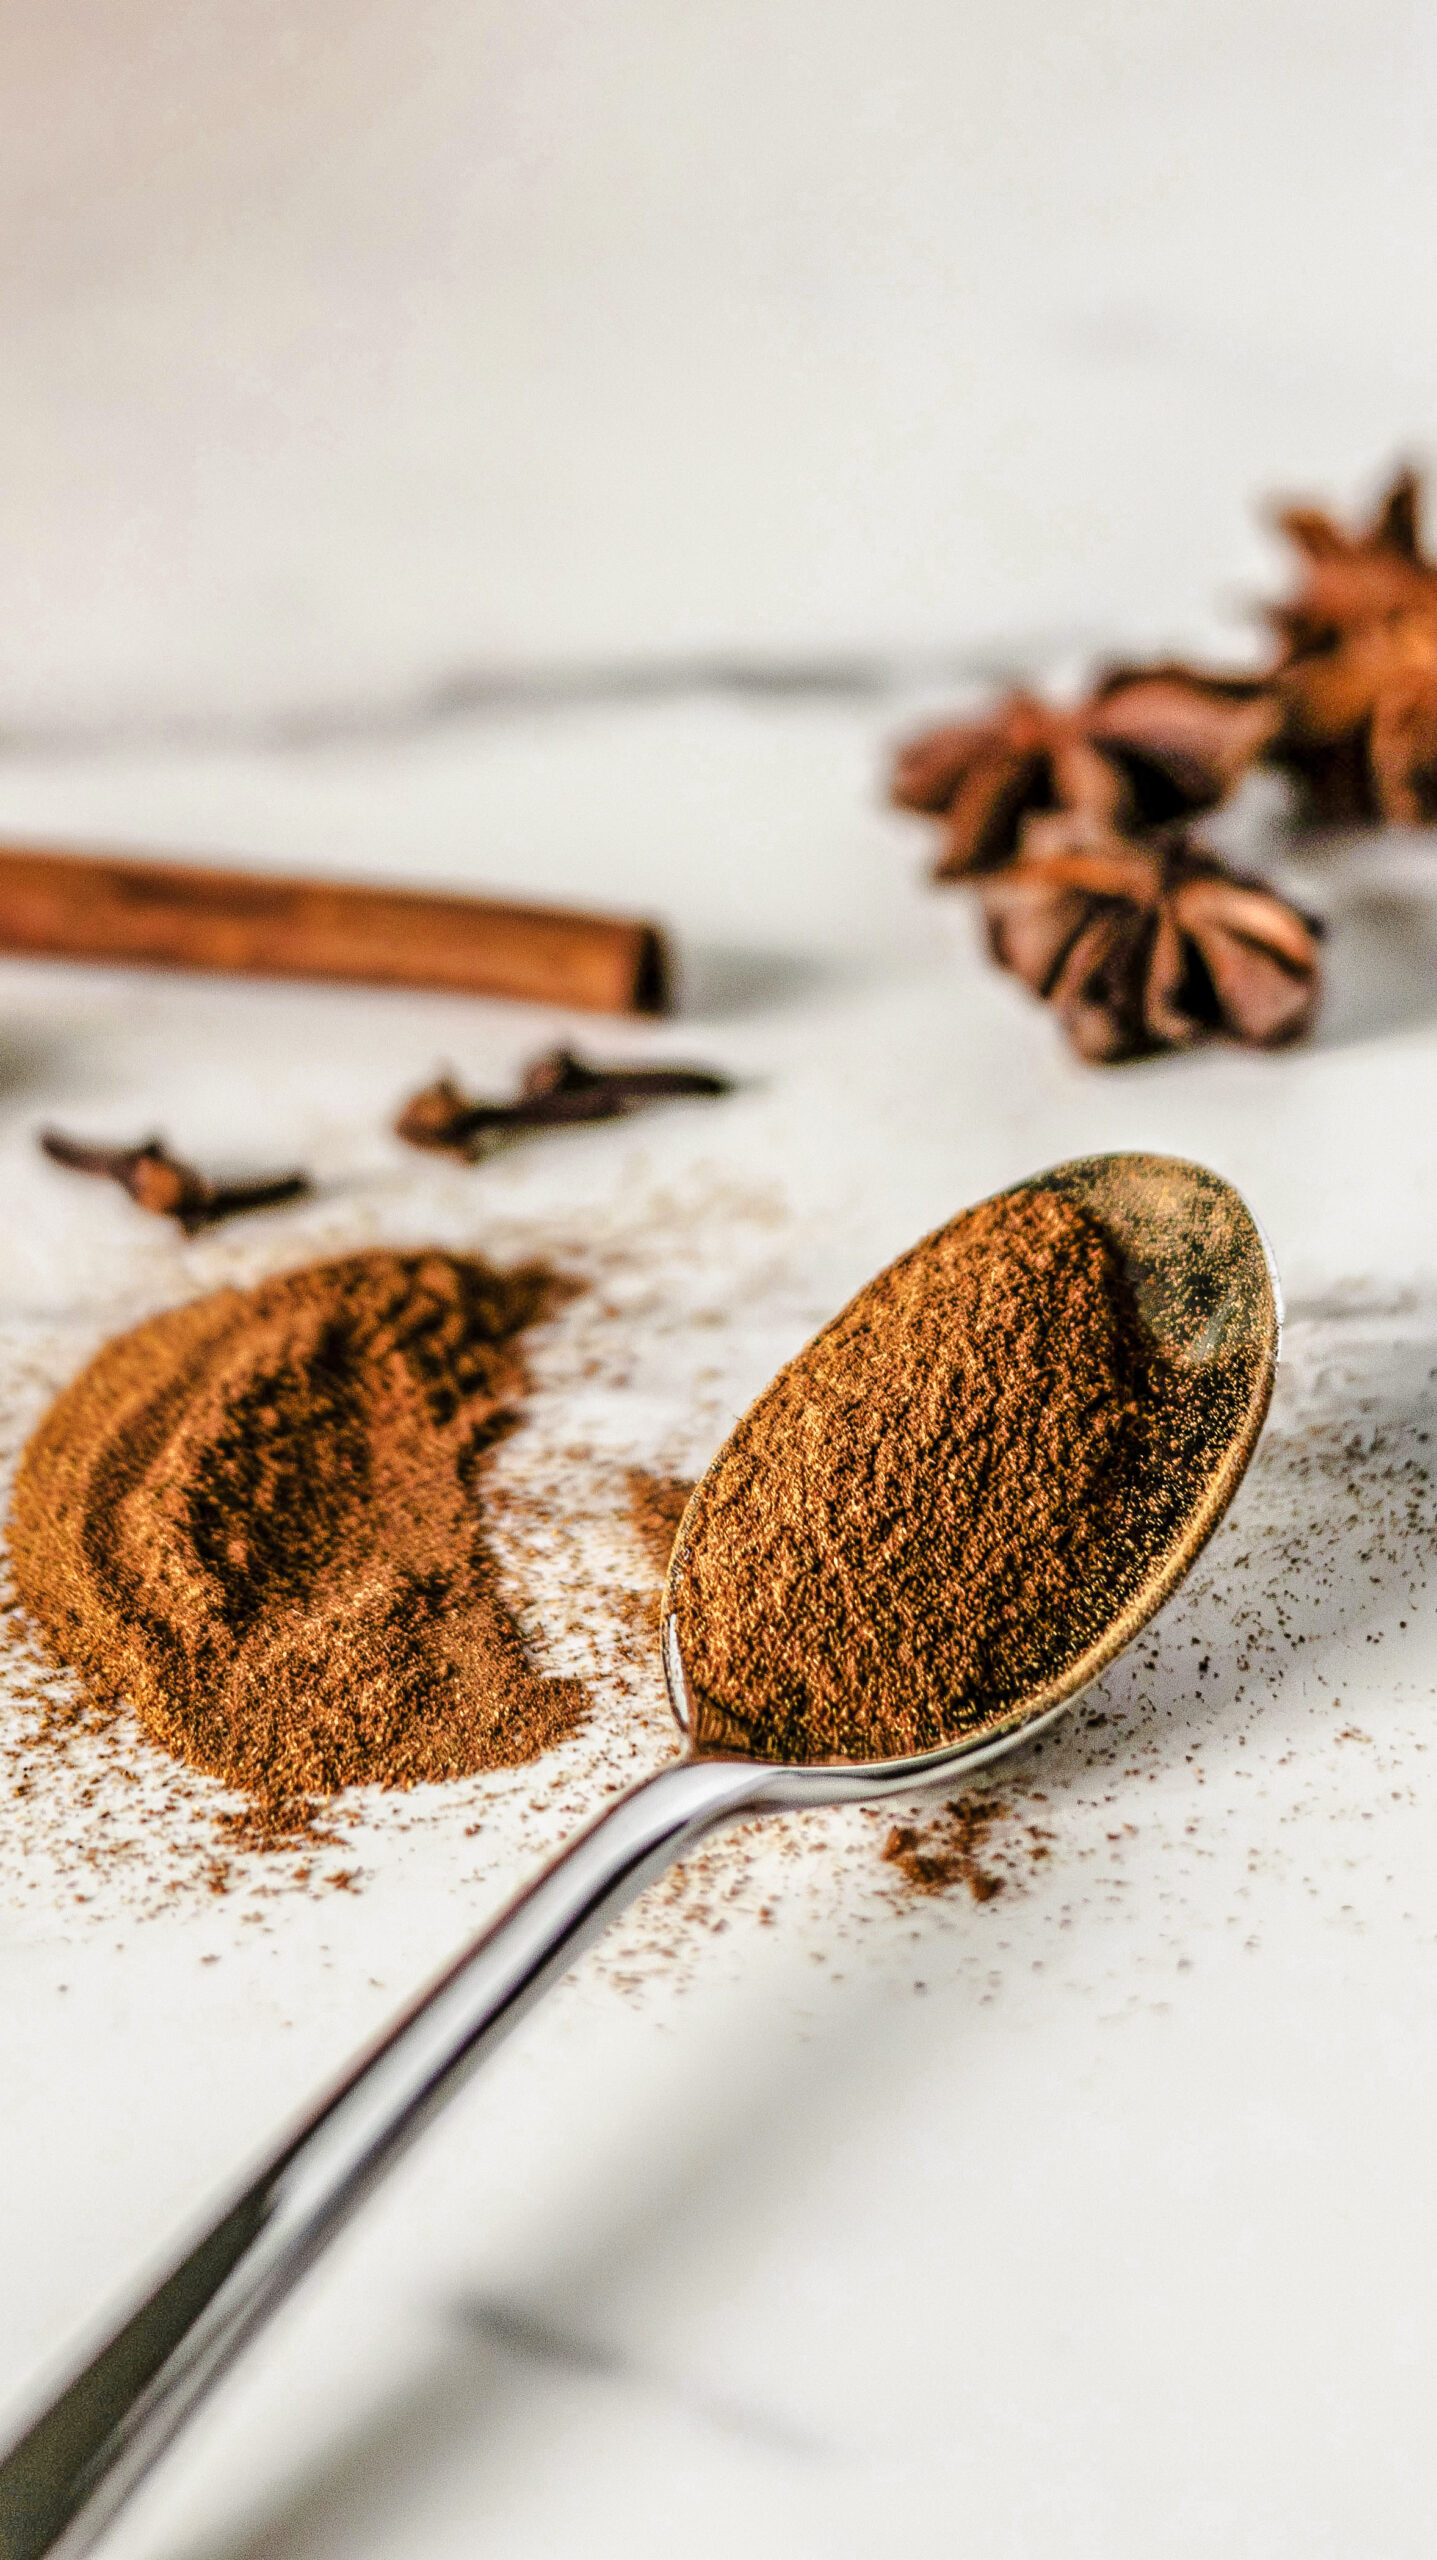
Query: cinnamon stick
{"points": [[170, 915]]}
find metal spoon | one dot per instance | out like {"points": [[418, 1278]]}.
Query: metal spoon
{"points": [[1205, 1284]]}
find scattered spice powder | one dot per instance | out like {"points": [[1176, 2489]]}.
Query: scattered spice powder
{"points": [[934, 1513], [946, 1850], [258, 1521], [656, 1506]]}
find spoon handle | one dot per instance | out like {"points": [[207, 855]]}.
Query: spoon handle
{"points": [[62, 2482]]}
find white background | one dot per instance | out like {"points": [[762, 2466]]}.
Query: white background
{"points": [[359, 364], [350, 347]]}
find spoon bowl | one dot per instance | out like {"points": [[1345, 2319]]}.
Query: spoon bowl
{"points": [[1199, 1271], [1206, 1288]]}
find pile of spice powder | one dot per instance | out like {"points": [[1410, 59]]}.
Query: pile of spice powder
{"points": [[938, 1508], [258, 1522]]}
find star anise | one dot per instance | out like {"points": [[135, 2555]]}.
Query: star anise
{"points": [[555, 1091], [1149, 744], [1356, 677], [1140, 947]]}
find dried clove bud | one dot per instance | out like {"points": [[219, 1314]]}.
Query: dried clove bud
{"points": [[1149, 744], [168, 1188], [557, 1090], [1141, 947], [1356, 675]]}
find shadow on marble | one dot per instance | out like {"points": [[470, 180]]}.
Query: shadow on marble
{"points": [[1381, 967], [33, 1059], [333, 2503], [522, 2334], [1378, 894], [726, 982], [483, 2367], [491, 2356]]}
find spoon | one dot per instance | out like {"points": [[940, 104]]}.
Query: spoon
{"points": [[1204, 1283]]}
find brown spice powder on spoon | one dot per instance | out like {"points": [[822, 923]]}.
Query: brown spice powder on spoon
{"points": [[258, 1521], [937, 1508]]}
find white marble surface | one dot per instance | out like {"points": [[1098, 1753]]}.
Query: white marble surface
{"points": [[403, 408], [1093, 2219], [354, 346]]}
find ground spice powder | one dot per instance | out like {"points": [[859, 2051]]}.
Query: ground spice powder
{"points": [[258, 1521], [935, 1510], [656, 1506]]}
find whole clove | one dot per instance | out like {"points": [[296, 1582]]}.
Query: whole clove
{"points": [[166, 1186], [558, 1090]]}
